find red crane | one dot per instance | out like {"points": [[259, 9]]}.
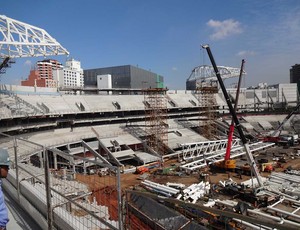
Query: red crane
{"points": [[228, 163], [250, 158]]}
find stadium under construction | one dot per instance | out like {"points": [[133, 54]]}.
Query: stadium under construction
{"points": [[148, 158]]}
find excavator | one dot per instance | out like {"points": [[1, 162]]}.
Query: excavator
{"points": [[227, 163], [250, 159]]}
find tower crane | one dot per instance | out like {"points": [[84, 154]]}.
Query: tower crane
{"points": [[235, 118]]}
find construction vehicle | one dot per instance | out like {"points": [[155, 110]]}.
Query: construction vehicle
{"points": [[250, 158], [244, 169], [287, 140], [267, 167], [141, 170], [227, 163], [275, 137]]}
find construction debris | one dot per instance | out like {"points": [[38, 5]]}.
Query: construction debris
{"points": [[195, 191], [190, 194], [159, 188]]}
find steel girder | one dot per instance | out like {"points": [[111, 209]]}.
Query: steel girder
{"points": [[207, 158], [206, 73], [194, 150], [18, 39]]}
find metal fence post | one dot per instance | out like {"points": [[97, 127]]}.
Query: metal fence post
{"points": [[48, 189], [17, 167], [120, 216]]}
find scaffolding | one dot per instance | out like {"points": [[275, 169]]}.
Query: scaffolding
{"points": [[207, 104], [156, 119]]}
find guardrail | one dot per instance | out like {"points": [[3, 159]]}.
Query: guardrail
{"points": [[53, 187]]}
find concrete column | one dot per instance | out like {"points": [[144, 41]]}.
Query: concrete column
{"points": [[55, 160], [84, 167], [41, 159]]}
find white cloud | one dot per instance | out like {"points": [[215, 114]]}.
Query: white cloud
{"points": [[223, 29], [174, 68], [244, 53], [27, 63]]}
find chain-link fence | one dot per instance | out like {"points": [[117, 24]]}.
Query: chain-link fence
{"points": [[68, 190]]}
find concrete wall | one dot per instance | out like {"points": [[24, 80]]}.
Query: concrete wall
{"points": [[18, 89]]}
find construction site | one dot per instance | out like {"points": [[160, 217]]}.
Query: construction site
{"points": [[153, 158]]}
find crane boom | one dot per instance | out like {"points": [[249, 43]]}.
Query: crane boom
{"points": [[231, 127], [236, 121], [276, 132]]}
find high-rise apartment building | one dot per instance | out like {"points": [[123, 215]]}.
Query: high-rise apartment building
{"points": [[295, 74], [42, 75], [46, 68], [51, 73], [71, 75]]}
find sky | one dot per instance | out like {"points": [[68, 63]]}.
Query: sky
{"points": [[165, 36]]}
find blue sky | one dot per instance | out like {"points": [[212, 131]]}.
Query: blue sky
{"points": [[165, 36]]}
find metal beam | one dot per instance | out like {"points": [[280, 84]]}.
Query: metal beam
{"points": [[206, 73], [95, 152], [216, 156], [18, 39], [261, 221], [193, 150]]}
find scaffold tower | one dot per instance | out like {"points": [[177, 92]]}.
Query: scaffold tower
{"points": [[156, 121], [207, 104]]}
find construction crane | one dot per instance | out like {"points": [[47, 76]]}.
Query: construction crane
{"points": [[4, 64], [250, 158], [231, 163], [275, 136]]}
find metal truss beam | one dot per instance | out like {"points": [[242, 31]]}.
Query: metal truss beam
{"points": [[194, 150], [213, 154], [206, 73], [18, 39], [286, 207]]}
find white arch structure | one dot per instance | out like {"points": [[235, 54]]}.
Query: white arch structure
{"points": [[207, 73], [18, 39]]}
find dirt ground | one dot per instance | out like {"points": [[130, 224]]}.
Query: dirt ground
{"points": [[130, 180], [105, 188]]}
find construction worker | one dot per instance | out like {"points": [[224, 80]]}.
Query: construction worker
{"points": [[4, 167]]}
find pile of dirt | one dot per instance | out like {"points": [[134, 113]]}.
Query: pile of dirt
{"points": [[108, 197]]}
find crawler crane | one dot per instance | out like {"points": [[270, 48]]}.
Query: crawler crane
{"points": [[236, 120], [228, 163]]}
